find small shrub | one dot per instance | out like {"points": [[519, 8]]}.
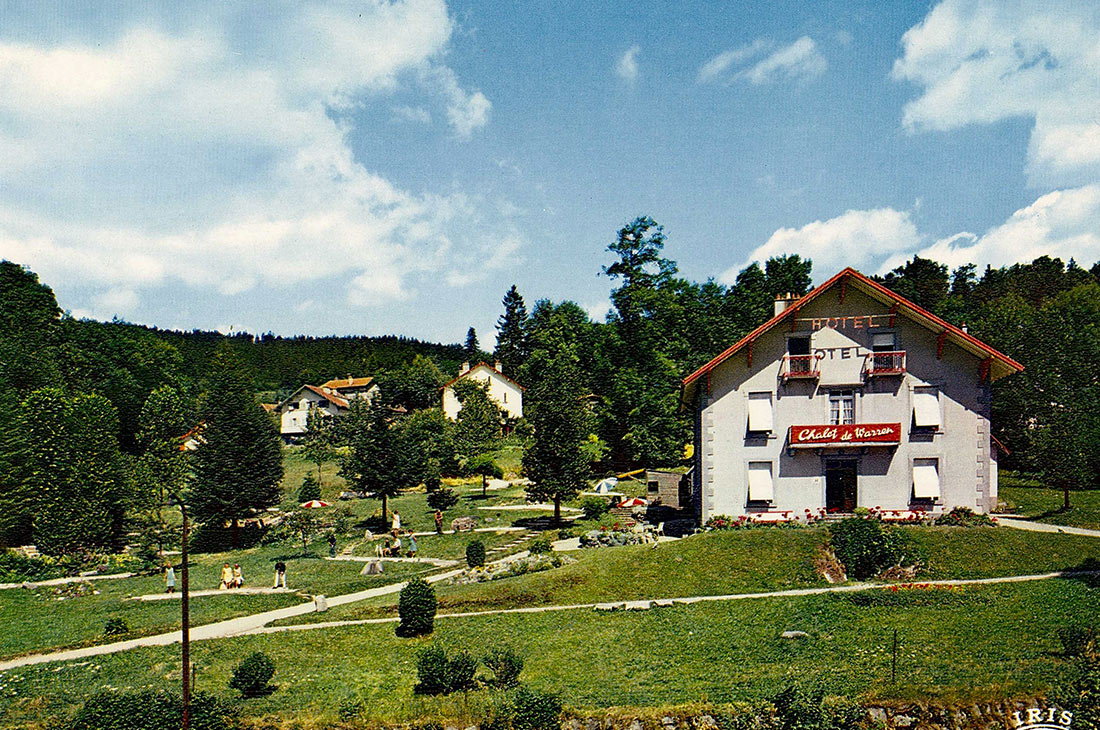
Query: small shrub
{"points": [[505, 665], [431, 671], [310, 489], [252, 677], [416, 605], [541, 544], [865, 546], [442, 499], [536, 710], [115, 626], [798, 709], [500, 715], [352, 708], [16, 568], [150, 710], [461, 669], [475, 554], [595, 507], [964, 517], [1078, 641]]}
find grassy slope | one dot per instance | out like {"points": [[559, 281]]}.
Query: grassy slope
{"points": [[978, 644], [1027, 497]]}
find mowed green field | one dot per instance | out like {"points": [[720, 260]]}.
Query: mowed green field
{"points": [[1028, 497], [977, 643]]}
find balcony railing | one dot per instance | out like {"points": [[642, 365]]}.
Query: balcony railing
{"points": [[884, 363], [800, 366]]}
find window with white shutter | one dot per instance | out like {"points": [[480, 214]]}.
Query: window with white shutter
{"points": [[760, 482], [926, 408], [760, 412], [926, 479]]}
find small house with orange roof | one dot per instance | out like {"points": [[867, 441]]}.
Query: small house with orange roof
{"points": [[333, 398], [507, 393], [850, 396]]}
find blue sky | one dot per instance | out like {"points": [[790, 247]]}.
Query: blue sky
{"points": [[393, 167]]}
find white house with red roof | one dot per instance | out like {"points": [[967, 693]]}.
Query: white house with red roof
{"points": [[507, 393], [850, 396], [333, 398]]}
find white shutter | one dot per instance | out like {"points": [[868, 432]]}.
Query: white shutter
{"points": [[926, 478], [926, 408], [760, 481], [760, 412]]}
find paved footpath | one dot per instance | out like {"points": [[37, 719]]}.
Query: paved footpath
{"points": [[257, 623], [1024, 524], [63, 581]]}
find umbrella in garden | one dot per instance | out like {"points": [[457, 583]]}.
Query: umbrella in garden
{"points": [[314, 504], [606, 485], [633, 502]]}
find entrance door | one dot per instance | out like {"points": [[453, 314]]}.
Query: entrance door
{"points": [[840, 485]]}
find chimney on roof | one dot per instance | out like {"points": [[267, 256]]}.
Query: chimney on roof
{"points": [[499, 367], [349, 380], [784, 301], [464, 369], [964, 328]]}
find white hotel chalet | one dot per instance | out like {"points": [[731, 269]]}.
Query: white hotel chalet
{"points": [[851, 396]]}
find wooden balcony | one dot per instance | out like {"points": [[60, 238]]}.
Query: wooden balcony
{"points": [[800, 367], [878, 364]]}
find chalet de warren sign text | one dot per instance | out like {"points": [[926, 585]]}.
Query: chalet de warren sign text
{"points": [[851, 433]]}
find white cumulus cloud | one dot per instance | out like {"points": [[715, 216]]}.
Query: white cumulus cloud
{"points": [[1063, 224], [981, 61], [216, 155]]}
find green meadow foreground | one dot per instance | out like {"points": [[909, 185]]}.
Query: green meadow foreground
{"points": [[976, 642], [958, 645]]}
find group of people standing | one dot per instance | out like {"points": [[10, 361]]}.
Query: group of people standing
{"points": [[231, 577]]}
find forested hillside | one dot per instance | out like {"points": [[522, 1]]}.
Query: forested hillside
{"points": [[627, 369]]}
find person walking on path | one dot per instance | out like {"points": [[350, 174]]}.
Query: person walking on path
{"points": [[227, 578], [396, 524], [332, 544], [280, 574], [438, 522], [169, 578], [238, 576]]}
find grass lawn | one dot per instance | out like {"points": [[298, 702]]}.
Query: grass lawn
{"points": [[1028, 497], [33, 621], [973, 644]]}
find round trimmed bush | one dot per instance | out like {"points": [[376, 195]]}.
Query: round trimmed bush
{"points": [[431, 671], [475, 554], [442, 499], [595, 507], [253, 675], [416, 605], [461, 669], [536, 710]]}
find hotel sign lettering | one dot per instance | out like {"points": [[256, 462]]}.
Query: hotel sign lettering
{"points": [[846, 434], [856, 322]]}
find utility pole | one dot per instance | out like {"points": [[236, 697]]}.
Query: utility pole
{"points": [[185, 619]]}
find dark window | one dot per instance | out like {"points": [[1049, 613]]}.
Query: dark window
{"points": [[798, 345]]}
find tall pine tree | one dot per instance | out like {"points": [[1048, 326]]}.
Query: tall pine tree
{"points": [[239, 463], [472, 350], [512, 338]]}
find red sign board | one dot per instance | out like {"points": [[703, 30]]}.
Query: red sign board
{"points": [[848, 434]]}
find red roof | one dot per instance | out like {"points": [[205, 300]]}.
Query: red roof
{"points": [[475, 367], [876, 291]]}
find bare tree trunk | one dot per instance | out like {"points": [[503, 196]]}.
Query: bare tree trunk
{"points": [[384, 505], [1065, 499], [483, 485], [557, 509], [236, 533]]}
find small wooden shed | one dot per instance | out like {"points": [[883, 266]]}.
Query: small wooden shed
{"points": [[667, 488]]}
